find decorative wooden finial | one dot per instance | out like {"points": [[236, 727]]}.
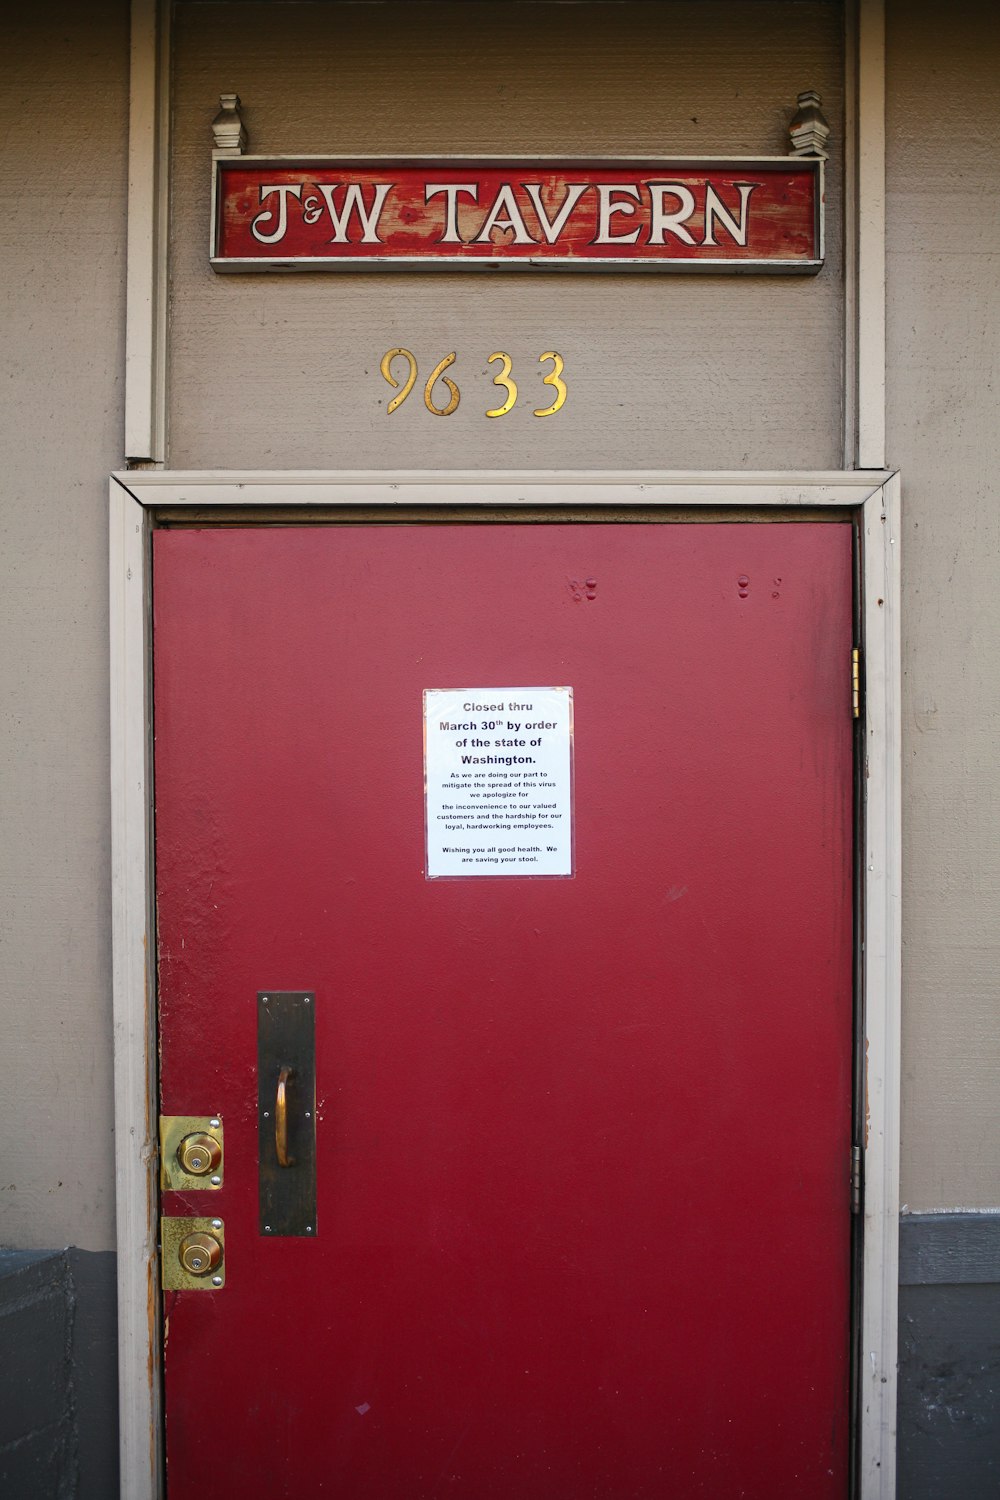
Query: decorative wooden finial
{"points": [[808, 127], [227, 127]]}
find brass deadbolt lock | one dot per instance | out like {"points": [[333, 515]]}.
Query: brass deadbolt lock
{"points": [[199, 1253], [199, 1154], [193, 1254], [192, 1155]]}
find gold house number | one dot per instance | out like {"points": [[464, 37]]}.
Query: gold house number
{"points": [[503, 380]]}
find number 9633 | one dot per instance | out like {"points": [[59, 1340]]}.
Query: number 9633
{"points": [[451, 396]]}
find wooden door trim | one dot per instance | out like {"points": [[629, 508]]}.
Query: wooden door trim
{"points": [[136, 502]]}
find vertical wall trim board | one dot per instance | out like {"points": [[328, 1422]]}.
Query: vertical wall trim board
{"points": [[146, 269], [871, 234], [865, 424], [134, 1021], [850, 152], [882, 970], [161, 435]]}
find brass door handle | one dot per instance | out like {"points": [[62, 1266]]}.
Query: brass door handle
{"points": [[281, 1119]]}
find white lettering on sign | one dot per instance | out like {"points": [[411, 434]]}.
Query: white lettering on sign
{"points": [[282, 189], [498, 781], [505, 214], [611, 201], [354, 202], [716, 211], [627, 213], [672, 223], [553, 228], [451, 191]]}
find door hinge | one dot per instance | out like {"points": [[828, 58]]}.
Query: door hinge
{"points": [[855, 1179], [856, 682]]}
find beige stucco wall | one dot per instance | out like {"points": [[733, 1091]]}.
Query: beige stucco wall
{"points": [[63, 120], [267, 371], [944, 433], [663, 371]]}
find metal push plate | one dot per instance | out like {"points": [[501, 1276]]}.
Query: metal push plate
{"points": [[286, 1048]]}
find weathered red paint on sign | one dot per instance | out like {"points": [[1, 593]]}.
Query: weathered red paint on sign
{"points": [[583, 1143], [752, 214]]}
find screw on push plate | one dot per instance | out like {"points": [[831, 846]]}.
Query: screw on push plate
{"points": [[215, 1124], [216, 1280], [216, 1223], [215, 1181], [267, 1114], [267, 1229]]}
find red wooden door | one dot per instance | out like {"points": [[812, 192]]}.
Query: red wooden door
{"points": [[583, 1221]]}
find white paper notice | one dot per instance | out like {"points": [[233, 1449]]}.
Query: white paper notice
{"points": [[498, 775]]}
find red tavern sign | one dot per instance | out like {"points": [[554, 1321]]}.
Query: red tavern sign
{"points": [[321, 213]]}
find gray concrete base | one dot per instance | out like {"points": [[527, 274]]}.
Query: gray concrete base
{"points": [[949, 1357], [58, 1396], [58, 1375]]}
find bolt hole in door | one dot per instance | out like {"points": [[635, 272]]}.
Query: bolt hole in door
{"points": [[536, 1250]]}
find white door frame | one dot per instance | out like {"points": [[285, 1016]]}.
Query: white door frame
{"points": [[135, 499]]}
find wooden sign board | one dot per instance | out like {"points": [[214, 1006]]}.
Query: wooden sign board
{"points": [[325, 213]]}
